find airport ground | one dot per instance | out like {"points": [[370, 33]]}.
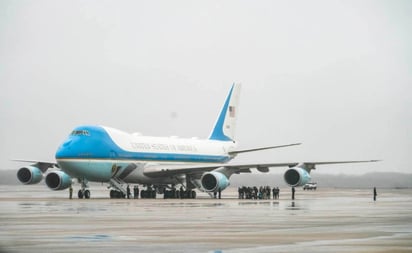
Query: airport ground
{"points": [[34, 219]]}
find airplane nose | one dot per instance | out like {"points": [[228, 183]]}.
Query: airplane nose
{"points": [[63, 150]]}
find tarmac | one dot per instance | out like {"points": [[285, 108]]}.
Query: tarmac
{"points": [[35, 219]]}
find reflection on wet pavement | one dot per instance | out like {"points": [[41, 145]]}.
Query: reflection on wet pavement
{"points": [[328, 220]]}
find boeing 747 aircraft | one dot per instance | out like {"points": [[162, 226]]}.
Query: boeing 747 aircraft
{"points": [[103, 154]]}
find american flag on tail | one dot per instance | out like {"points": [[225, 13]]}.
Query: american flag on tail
{"points": [[232, 111]]}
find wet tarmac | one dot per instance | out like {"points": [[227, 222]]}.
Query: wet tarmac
{"points": [[34, 219]]}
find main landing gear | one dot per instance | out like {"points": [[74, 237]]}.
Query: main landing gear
{"points": [[179, 194], [151, 192], [114, 194], [83, 193]]}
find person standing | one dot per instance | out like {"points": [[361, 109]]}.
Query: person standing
{"points": [[182, 192], [128, 191], [135, 191], [71, 192], [374, 194], [293, 193]]}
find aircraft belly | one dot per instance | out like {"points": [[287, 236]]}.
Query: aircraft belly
{"points": [[138, 177], [92, 171]]}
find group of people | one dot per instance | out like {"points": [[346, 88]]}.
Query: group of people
{"points": [[150, 193], [263, 192], [135, 192]]}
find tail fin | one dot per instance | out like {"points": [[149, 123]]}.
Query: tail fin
{"points": [[224, 129]]}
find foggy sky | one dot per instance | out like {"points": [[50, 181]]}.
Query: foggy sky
{"points": [[334, 75]]}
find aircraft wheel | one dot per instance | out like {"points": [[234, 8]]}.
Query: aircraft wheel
{"points": [[160, 190], [193, 194], [87, 194], [80, 194]]}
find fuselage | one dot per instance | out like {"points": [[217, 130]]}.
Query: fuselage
{"points": [[98, 153]]}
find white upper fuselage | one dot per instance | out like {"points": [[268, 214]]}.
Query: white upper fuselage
{"points": [[172, 146]]}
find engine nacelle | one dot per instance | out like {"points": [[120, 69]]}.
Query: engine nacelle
{"points": [[213, 181], [29, 175], [58, 180], [296, 177]]}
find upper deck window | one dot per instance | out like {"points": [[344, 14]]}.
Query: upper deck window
{"points": [[80, 133]]}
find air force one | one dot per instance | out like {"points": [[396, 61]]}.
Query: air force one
{"points": [[103, 154]]}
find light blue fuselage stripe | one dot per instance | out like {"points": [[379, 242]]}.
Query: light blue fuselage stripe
{"points": [[160, 157]]}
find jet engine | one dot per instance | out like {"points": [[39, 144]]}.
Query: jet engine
{"points": [[29, 175], [213, 181], [296, 176], [58, 180]]}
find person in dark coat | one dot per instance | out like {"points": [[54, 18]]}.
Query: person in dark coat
{"points": [[128, 191], [71, 192]]}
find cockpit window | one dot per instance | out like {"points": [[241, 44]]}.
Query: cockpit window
{"points": [[80, 133]]}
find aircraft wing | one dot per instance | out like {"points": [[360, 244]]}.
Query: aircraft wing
{"points": [[235, 152], [163, 171], [43, 166]]}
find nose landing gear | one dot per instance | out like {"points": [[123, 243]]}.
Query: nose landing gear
{"points": [[83, 192]]}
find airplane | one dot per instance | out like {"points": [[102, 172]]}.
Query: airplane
{"points": [[94, 153]]}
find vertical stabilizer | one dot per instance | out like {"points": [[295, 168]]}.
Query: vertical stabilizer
{"points": [[225, 126]]}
